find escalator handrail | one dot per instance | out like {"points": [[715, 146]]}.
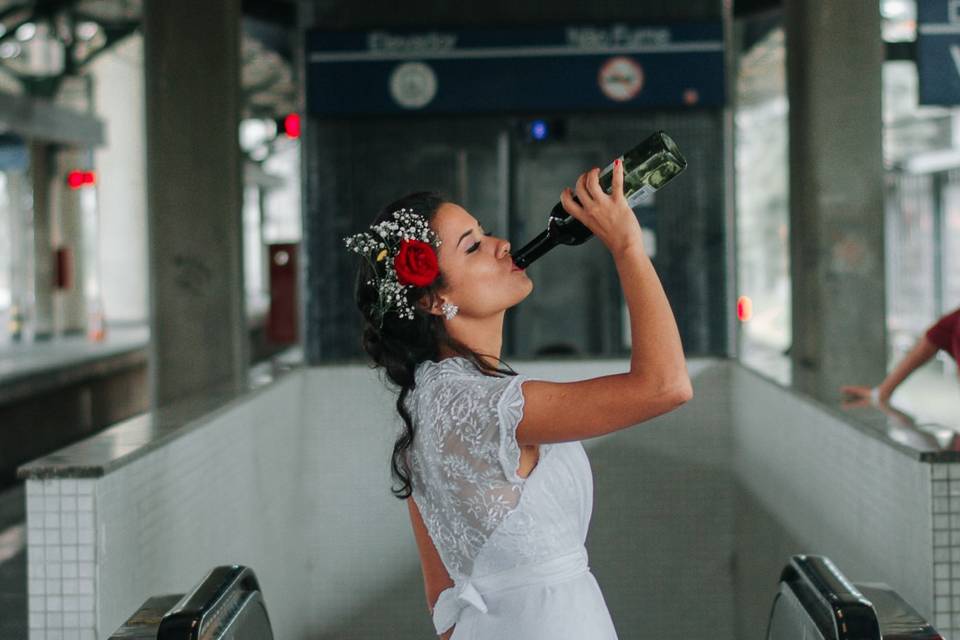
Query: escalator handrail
{"points": [[200, 608], [850, 614]]}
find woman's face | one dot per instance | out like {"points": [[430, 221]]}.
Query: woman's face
{"points": [[481, 277]]}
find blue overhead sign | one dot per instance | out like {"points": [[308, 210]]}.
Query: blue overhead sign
{"points": [[573, 68], [938, 51]]}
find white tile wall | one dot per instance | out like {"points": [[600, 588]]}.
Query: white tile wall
{"points": [[945, 497], [844, 494], [229, 491], [349, 443], [61, 559]]}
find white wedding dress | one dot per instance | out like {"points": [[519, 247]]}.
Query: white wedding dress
{"points": [[513, 546]]}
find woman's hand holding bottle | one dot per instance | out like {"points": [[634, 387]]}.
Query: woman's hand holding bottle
{"points": [[608, 216], [656, 351]]}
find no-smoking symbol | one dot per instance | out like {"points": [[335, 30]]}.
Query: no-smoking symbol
{"points": [[620, 78]]}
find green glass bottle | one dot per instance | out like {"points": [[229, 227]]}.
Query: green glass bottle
{"points": [[646, 168]]}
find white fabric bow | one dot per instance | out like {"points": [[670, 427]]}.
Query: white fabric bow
{"points": [[452, 601]]}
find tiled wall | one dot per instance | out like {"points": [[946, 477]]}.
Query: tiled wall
{"points": [[840, 493], [945, 482], [658, 488], [361, 546], [663, 523], [380, 563], [61, 559], [229, 491]]}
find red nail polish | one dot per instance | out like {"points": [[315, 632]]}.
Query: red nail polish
{"points": [[616, 162]]}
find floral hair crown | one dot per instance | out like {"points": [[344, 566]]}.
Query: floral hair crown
{"points": [[405, 246]]}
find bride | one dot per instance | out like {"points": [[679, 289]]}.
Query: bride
{"points": [[490, 461]]}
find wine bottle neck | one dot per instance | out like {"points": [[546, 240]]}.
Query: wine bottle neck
{"points": [[533, 249]]}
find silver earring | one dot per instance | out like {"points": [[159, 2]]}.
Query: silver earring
{"points": [[449, 310]]}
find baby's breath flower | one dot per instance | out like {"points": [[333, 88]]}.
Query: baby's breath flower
{"points": [[388, 235]]}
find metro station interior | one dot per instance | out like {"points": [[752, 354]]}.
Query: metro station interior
{"points": [[194, 440]]}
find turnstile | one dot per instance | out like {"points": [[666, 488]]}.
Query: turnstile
{"points": [[816, 601], [225, 605]]}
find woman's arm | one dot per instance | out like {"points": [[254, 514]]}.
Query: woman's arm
{"points": [[435, 576], [921, 353]]}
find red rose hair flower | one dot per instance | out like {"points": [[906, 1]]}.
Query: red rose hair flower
{"points": [[416, 263], [406, 236]]}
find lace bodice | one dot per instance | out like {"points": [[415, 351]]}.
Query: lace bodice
{"points": [[481, 515]]}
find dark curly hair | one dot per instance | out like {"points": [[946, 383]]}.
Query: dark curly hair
{"points": [[402, 344]]}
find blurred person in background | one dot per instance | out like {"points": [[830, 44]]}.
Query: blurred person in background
{"points": [[944, 334]]}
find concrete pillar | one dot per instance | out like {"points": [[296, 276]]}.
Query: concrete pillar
{"points": [[41, 314], [834, 58], [22, 254], [192, 93], [121, 174], [70, 229]]}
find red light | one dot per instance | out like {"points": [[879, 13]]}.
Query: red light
{"points": [[78, 179], [291, 125], [744, 308]]}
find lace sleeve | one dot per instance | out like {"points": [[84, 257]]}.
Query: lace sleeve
{"points": [[466, 461], [498, 410], [509, 414], [482, 429]]}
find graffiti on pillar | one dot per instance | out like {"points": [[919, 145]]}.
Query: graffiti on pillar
{"points": [[192, 275]]}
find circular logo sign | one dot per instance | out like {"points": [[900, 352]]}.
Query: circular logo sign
{"points": [[620, 78], [413, 85]]}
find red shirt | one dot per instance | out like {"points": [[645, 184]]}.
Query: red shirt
{"points": [[945, 334]]}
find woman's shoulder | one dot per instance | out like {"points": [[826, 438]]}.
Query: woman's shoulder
{"points": [[457, 377], [454, 367], [438, 384], [447, 367]]}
